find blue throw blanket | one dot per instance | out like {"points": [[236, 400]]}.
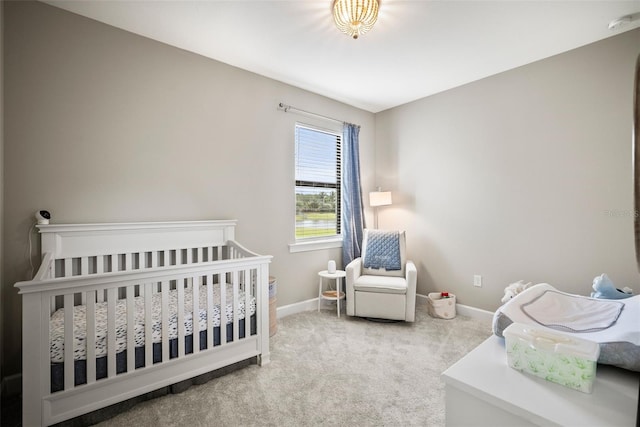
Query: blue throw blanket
{"points": [[383, 250]]}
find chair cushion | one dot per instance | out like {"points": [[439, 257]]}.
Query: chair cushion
{"points": [[367, 248], [381, 284]]}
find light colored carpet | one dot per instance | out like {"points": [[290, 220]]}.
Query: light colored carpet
{"points": [[329, 371]]}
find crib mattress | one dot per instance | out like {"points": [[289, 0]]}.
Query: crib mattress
{"points": [[80, 321]]}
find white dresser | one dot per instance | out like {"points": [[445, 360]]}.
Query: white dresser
{"points": [[482, 390]]}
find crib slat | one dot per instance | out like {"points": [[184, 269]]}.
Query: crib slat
{"points": [[180, 325], [68, 342], [84, 270], [195, 314], [236, 328], [165, 321], [210, 311], [68, 267], [100, 264], [91, 337], [44, 356], [115, 262], [111, 332], [199, 255], [154, 259], [189, 255], [148, 325], [131, 339], [223, 308], [128, 262], [247, 303]]}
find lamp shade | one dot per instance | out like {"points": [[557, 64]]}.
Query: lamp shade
{"points": [[379, 198]]}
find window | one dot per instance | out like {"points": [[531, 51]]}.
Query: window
{"points": [[318, 165]]}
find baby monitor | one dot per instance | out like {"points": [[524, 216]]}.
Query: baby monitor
{"points": [[43, 217]]}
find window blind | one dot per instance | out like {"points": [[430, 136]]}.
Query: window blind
{"points": [[317, 182]]}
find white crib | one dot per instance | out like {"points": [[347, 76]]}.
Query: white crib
{"points": [[111, 313]]}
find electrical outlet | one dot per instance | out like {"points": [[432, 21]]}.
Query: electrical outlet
{"points": [[477, 280]]}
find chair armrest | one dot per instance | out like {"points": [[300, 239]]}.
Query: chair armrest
{"points": [[353, 270], [412, 278]]}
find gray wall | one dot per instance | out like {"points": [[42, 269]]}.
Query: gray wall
{"points": [[509, 177], [106, 126], [522, 175]]}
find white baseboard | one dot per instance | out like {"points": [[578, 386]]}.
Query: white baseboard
{"points": [[475, 313], [312, 304], [12, 385], [298, 307]]}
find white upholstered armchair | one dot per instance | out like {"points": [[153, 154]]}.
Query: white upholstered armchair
{"points": [[382, 282]]}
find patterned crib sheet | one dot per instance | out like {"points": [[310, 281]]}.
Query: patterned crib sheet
{"points": [[80, 321]]}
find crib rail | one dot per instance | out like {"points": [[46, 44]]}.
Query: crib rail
{"points": [[110, 263], [52, 267], [118, 244], [118, 299]]}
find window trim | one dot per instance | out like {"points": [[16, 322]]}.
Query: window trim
{"points": [[315, 244], [321, 242]]}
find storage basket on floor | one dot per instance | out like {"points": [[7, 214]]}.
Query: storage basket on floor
{"points": [[441, 307]]}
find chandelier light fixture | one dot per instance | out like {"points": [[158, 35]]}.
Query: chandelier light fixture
{"points": [[355, 17]]}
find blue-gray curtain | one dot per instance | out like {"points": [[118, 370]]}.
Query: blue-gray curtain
{"points": [[352, 212]]}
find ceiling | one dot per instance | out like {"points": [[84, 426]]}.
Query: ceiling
{"points": [[417, 48]]}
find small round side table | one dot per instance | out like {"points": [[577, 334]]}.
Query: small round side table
{"points": [[329, 294]]}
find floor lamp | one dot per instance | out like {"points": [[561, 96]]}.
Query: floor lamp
{"points": [[378, 198]]}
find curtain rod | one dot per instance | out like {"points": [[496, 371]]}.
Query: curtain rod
{"points": [[286, 108]]}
